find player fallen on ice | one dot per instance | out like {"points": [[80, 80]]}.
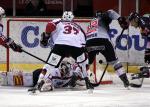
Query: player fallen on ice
{"points": [[4, 41], [69, 41], [98, 41], [64, 76], [143, 22]]}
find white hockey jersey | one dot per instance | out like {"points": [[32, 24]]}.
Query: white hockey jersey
{"points": [[1, 29], [67, 33], [2, 38], [97, 28]]}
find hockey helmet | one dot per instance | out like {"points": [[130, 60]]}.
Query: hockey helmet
{"points": [[133, 15], [104, 17], [68, 16], [147, 16], [98, 13], [102, 14], [2, 12]]}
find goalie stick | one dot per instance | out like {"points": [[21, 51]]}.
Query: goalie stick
{"points": [[33, 89], [36, 87], [99, 82]]}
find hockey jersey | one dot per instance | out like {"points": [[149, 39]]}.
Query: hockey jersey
{"points": [[2, 38], [60, 80], [144, 23], [98, 27], [66, 33]]}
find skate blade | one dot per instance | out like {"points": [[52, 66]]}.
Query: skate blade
{"points": [[90, 91]]}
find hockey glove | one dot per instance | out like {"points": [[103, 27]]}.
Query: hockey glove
{"points": [[144, 73], [44, 39], [123, 22], [15, 47], [145, 32]]}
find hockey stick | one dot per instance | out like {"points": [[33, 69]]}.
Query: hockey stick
{"points": [[33, 89], [137, 85], [99, 82], [119, 38], [35, 57]]}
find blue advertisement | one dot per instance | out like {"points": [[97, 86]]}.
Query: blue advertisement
{"points": [[133, 40]]}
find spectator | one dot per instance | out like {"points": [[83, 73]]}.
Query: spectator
{"points": [[36, 8]]}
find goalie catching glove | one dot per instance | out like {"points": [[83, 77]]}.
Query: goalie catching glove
{"points": [[44, 39], [15, 47], [42, 86]]}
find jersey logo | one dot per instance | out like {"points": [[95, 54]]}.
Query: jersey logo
{"points": [[92, 26]]}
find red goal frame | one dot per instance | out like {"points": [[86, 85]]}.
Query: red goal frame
{"points": [[44, 20]]}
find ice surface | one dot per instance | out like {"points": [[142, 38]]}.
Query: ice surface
{"points": [[114, 95]]}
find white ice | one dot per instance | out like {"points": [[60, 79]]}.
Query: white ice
{"points": [[114, 95]]}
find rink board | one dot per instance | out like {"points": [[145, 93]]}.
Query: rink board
{"points": [[31, 67], [27, 31]]}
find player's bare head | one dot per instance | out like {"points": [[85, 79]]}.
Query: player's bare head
{"points": [[65, 67], [2, 13], [68, 16], [134, 18]]}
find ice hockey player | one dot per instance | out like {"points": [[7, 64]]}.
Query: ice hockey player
{"points": [[98, 40], [69, 41], [143, 22], [4, 41], [66, 75]]}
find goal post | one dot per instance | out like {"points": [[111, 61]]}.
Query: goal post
{"points": [[17, 28]]}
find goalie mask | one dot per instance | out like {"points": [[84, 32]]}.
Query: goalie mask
{"points": [[65, 68], [2, 13], [68, 16]]}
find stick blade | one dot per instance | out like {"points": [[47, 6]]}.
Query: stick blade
{"points": [[135, 85]]}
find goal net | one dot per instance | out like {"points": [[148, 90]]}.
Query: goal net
{"points": [[26, 32]]}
